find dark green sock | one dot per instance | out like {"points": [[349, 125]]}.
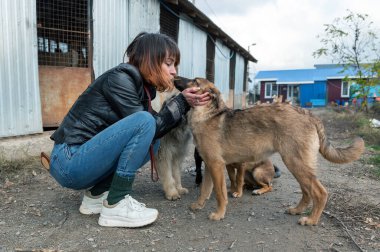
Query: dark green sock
{"points": [[102, 186], [120, 187]]}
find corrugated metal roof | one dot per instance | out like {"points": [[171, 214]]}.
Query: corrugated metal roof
{"points": [[201, 20], [301, 75], [304, 75]]}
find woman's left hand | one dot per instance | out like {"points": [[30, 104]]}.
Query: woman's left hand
{"points": [[195, 99]]}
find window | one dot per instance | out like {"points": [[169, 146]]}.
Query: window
{"points": [[270, 89], [274, 89], [63, 33], [345, 89], [210, 56], [232, 71], [169, 22]]}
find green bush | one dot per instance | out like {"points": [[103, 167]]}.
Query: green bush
{"points": [[370, 134], [361, 126], [375, 109]]}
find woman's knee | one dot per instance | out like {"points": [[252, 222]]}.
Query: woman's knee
{"points": [[147, 119]]}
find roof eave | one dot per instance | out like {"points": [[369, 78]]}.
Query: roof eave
{"points": [[202, 20], [265, 79], [341, 77], [294, 82]]}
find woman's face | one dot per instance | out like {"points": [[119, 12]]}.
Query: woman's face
{"points": [[168, 67]]}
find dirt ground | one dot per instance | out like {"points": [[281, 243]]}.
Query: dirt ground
{"points": [[37, 214]]}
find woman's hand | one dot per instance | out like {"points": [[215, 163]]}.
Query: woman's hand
{"points": [[195, 99]]}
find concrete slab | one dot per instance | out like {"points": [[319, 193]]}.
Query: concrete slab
{"points": [[14, 148]]}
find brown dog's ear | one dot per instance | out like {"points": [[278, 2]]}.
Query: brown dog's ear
{"points": [[181, 83]]}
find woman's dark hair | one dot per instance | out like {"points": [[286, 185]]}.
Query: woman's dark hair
{"points": [[147, 52]]}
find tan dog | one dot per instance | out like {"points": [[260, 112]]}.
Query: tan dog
{"points": [[224, 136], [251, 175]]}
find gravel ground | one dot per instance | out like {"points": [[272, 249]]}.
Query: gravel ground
{"points": [[36, 214]]}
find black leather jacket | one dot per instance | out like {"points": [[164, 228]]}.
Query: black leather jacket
{"points": [[117, 93]]}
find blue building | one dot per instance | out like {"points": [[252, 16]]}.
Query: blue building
{"points": [[309, 87]]}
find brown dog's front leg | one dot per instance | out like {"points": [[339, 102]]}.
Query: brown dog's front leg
{"points": [[217, 175], [206, 189]]}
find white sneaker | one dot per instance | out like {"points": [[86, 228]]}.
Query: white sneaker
{"points": [[92, 204], [127, 213]]}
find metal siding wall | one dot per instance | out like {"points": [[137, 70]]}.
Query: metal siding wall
{"points": [[116, 23], [192, 43], [239, 82], [20, 106], [144, 15], [312, 91], [110, 33], [222, 69]]}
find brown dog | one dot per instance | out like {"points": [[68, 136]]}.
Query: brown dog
{"points": [[252, 175], [224, 136]]}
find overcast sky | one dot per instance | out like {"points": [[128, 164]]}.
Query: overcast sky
{"points": [[284, 31]]}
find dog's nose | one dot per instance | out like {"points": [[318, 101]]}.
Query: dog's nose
{"points": [[181, 83]]}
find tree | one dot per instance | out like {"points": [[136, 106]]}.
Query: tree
{"points": [[351, 42]]}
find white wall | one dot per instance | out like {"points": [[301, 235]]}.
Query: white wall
{"points": [[239, 82], [116, 24], [192, 43], [222, 69]]}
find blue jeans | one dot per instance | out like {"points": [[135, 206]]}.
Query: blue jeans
{"points": [[122, 148]]}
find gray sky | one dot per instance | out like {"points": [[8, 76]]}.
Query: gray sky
{"points": [[284, 31]]}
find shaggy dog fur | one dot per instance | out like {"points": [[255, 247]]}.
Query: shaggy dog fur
{"points": [[174, 146]]}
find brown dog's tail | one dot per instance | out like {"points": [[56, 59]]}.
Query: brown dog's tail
{"points": [[338, 155]]}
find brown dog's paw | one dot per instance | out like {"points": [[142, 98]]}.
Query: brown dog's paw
{"points": [[237, 194], [292, 211], [182, 190], [173, 195], [216, 216], [196, 206], [256, 192], [232, 189], [305, 221]]}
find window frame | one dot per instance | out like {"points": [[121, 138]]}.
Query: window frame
{"points": [[271, 89], [342, 88]]}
